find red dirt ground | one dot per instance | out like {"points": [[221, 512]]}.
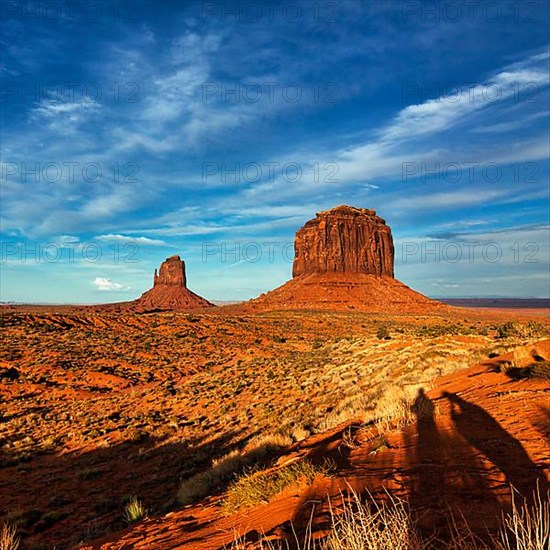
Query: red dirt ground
{"points": [[487, 432], [96, 407]]}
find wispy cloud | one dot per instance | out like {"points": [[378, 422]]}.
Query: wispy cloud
{"points": [[146, 241]]}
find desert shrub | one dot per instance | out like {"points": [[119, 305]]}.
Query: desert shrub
{"points": [[539, 370], [317, 343], [433, 331], [520, 330], [134, 510], [259, 487], [8, 537], [371, 525]]}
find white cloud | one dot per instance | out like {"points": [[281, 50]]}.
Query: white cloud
{"points": [[104, 284]]}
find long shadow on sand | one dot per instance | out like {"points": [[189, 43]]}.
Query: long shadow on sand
{"points": [[484, 433], [60, 500]]}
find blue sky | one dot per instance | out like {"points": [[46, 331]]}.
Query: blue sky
{"points": [[132, 131]]}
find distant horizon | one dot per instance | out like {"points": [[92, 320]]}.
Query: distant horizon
{"points": [[229, 301]]}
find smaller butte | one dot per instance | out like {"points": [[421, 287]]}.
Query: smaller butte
{"points": [[170, 292]]}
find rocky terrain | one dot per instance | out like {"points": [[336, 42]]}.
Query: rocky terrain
{"points": [[98, 408]]}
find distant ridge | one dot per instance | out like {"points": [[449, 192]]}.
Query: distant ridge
{"points": [[512, 303]]}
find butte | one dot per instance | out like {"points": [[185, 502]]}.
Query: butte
{"points": [[344, 260], [170, 292]]}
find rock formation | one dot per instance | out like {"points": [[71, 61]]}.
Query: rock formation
{"points": [[344, 260], [172, 272], [170, 290], [344, 240]]}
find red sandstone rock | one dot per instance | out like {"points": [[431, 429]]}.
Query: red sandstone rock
{"points": [[344, 240], [170, 292], [344, 260], [172, 272]]}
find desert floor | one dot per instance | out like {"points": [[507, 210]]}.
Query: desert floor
{"points": [[97, 408]]}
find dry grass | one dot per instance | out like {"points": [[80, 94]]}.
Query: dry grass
{"points": [[393, 411], [369, 525], [527, 527], [357, 526], [369, 379], [8, 537], [259, 487], [228, 466], [373, 526]]}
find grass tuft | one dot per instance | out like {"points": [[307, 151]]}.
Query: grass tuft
{"points": [[8, 537], [526, 527], [134, 510]]}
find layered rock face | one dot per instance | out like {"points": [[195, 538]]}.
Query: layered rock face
{"points": [[170, 292], [344, 240], [172, 272]]}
